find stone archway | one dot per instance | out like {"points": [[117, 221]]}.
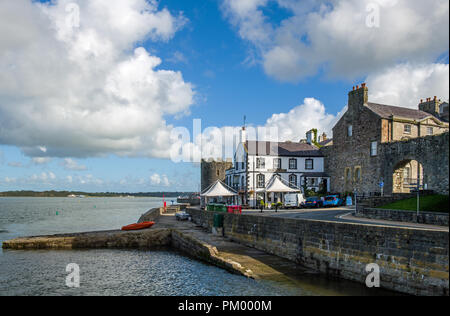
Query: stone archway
{"points": [[407, 175]]}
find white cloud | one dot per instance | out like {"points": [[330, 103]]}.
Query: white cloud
{"points": [[333, 35], [86, 91], [405, 84], [41, 160], [43, 177], [220, 143], [157, 179], [292, 126], [70, 164]]}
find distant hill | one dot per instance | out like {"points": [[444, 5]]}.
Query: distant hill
{"points": [[99, 194]]}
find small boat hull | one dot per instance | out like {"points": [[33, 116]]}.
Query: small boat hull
{"points": [[138, 226]]}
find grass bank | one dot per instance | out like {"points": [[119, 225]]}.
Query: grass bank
{"points": [[430, 203]]}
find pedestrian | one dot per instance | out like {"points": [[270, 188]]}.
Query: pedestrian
{"points": [[276, 207], [262, 205]]}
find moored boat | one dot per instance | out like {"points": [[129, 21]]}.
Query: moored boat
{"points": [[138, 226]]}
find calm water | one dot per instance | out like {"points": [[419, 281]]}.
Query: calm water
{"points": [[120, 272]]}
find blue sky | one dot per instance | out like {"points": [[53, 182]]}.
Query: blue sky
{"points": [[254, 57]]}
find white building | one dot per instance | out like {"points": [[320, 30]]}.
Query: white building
{"points": [[256, 162]]}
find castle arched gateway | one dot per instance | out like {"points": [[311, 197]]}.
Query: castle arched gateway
{"points": [[427, 158]]}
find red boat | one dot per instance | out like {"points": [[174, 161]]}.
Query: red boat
{"points": [[139, 226]]}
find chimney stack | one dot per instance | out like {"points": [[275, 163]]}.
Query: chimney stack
{"points": [[358, 97], [431, 105]]}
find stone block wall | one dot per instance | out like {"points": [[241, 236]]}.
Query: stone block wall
{"points": [[439, 219], [411, 261]]}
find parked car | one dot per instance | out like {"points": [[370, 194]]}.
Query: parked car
{"points": [[333, 201], [293, 200], [182, 216], [312, 202]]}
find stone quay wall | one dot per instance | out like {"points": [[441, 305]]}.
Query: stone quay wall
{"points": [[153, 214], [429, 218], [411, 261]]}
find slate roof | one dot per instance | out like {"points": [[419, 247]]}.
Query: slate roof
{"points": [[386, 111], [282, 149]]}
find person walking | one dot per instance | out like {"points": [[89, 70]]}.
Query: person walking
{"points": [[262, 205]]}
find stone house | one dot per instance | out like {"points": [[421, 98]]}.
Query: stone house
{"points": [[353, 160]]}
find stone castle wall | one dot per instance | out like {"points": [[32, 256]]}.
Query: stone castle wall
{"points": [[431, 151], [411, 261]]}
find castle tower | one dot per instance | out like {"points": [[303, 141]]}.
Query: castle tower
{"points": [[211, 171]]}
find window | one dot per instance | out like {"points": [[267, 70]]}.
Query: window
{"points": [[243, 165], [261, 181], [348, 175], [430, 131], [277, 163], [350, 131], [407, 129], [293, 180], [373, 149], [260, 163], [358, 174], [293, 164], [309, 164]]}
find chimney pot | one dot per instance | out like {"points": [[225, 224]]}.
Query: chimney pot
{"points": [[357, 87], [363, 85], [421, 100], [353, 88]]}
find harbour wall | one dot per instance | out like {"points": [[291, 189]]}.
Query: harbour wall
{"points": [[411, 261], [149, 239]]}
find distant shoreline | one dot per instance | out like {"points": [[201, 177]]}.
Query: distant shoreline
{"points": [[90, 195]]}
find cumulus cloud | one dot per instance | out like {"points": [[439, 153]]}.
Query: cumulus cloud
{"points": [[158, 180], [41, 160], [339, 36], [220, 143], [292, 126], [44, 177], [405, 84], [84, 89], [70, 164]]}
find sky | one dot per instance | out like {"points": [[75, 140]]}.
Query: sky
{"points": [[104, 95]]}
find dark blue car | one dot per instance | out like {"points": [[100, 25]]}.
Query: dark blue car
{"points": [[313, 202]]}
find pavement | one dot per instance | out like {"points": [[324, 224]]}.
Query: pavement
{"points": [[340, 215]]}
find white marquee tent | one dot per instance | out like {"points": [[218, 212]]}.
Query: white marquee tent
{"points": [[218, 189], [276, 185]]}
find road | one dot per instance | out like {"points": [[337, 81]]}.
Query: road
{"points": [[341, 215]]}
